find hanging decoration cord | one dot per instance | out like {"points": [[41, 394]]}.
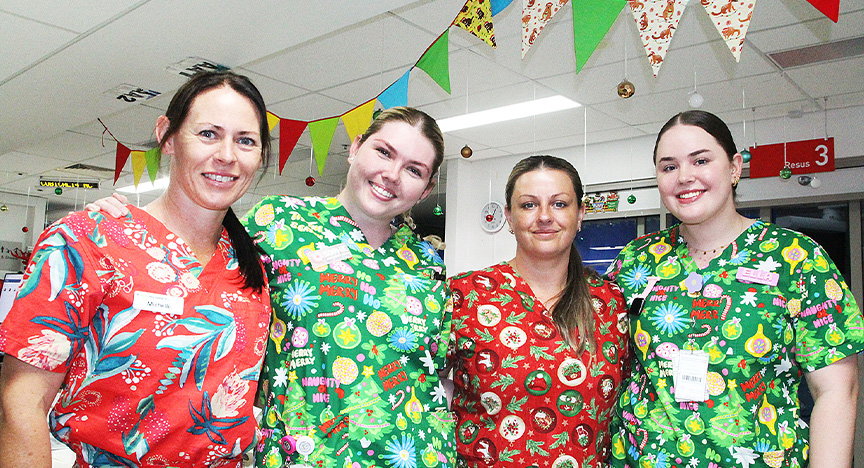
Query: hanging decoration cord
{"points": [[825, 113]]}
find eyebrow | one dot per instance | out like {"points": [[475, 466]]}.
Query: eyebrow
{"points": [[691, 155], [392, 150]]}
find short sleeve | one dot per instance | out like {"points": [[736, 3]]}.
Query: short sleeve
{"points": [[828, 323], [47, 325]]}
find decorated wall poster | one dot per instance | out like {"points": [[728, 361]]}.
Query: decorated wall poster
{"points": [[601, 202]]}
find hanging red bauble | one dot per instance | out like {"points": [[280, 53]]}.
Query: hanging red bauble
{"points": [[25, 229], [310, 181]]}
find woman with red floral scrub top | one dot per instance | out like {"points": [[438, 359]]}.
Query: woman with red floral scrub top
{"points": [[155, 324], [537, 346], [726, 316]]}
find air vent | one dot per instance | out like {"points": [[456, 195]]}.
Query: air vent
{"points": [[827, 52], [88, 170]]}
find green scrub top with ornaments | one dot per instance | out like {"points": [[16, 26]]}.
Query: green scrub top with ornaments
{"points": [[357, 337], [720, 351]]}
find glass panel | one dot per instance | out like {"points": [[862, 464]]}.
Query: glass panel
{"points": [[652, 224], [600, 241], [828, 225]]}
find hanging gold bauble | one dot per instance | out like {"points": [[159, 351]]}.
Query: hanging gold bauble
{"points": [[466, 151], [626, 89]]}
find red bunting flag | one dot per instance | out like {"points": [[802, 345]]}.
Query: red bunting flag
{"points": [[289, 133], [829, 8], [120, 159]]}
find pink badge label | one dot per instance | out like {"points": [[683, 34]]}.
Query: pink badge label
{"points": [[750, 275]]}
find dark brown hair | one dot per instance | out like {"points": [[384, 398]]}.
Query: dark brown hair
{"points": [[574, 312], [247, 253]]}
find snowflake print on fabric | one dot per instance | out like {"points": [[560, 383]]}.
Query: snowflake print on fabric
{"points": [[299, 299], [401, 453], [670, 318], [637, 277]]}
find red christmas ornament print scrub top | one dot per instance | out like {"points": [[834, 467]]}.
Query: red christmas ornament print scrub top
{"points": [[522, 397]]}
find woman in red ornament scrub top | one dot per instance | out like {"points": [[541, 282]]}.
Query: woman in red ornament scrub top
{"points": [[154, 324], [538, 350], [726, 315]]}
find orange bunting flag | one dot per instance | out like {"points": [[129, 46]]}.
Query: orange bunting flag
{"points": [[289, 133], [731, 18], [272, 120], [535, 15], [358, 119], [120, 159], [657, 21], [138, 163], [476, 18], [321, 132]]}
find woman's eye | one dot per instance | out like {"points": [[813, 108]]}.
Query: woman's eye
{"points": [[415, 171], [560, 204], [701, 161], [528, 205], [207, 133], [384, 152], [246, 141], [667, 168]]}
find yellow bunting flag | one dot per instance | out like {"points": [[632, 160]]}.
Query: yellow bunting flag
{"points": [[272, 120], [139, 161], [657, 21], [476, 18], [731, 18], [358, 119], [321, 132]]}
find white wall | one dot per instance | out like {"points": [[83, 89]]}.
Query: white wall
{"points": [[20, 212], [469, 247]]}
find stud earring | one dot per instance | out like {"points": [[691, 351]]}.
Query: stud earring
{"points": [[735, 179], [511, 230]]}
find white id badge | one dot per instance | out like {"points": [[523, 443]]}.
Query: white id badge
{"points": [[322, 257], [691, 376], [159, 303]]}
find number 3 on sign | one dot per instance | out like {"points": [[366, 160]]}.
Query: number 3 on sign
{"points": [[822, 150]]}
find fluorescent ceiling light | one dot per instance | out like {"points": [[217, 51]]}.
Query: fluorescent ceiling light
{"points": [[505, 113], [145, 186]]}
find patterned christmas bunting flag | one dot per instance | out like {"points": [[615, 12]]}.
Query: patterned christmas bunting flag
{"points": [[289, 133], [829, 8], [436, 61], [321, 132], [138, 163], [476, 18], [535, 15], [731, 17], [120, 158], [153, 158], [657, 21], [358, 119], [396, 94], [591, 22]]}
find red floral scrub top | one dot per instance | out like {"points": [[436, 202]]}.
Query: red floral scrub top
{"points": [[522, 397], [771, 306], [148, 388]]}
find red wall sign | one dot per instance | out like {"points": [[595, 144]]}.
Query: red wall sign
{"points": [[804, 157]]}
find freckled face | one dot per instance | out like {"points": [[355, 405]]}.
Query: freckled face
{"points": [[390, 172], [694, 174], [544, 213]]}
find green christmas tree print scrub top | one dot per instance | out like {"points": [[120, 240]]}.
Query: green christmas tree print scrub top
{"points": [[355, 342], [769, 308]]}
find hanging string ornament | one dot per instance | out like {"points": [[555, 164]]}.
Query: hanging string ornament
{"points": [[58, 191], [466, 152], [310, 181], [438, 211], [4, 208], [786, 172], [625, 87], [745, 153]]}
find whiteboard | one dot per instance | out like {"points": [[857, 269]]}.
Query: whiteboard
{"points": [[11, 283]]}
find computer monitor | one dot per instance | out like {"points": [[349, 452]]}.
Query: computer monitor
{"points": [[11, 283]]}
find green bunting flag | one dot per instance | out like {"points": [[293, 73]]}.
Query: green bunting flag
{"points": [[591, 21], [436, 61], [321, 132], [153, 157]]}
